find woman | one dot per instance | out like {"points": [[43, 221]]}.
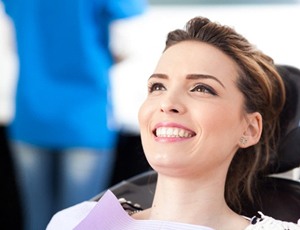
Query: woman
{"points": [[209, 125]]}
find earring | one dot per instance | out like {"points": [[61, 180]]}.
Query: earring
{"points": [[243, 140]]}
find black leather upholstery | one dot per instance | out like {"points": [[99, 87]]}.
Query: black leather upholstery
{"points": [[276, 197]]}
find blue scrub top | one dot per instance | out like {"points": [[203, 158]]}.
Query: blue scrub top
{"points": [[63, 90]]}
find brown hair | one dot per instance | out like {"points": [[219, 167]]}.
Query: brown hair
{"points": [[263, 91]]}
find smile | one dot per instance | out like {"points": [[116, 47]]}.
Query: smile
{"points": [[173, 132]]}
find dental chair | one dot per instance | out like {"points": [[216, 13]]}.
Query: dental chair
{"points": [[275, 196]]}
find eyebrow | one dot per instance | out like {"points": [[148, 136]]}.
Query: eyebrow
{"points": [[189, 77]]}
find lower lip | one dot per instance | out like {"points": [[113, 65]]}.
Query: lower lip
{"points": [[170, 139]]}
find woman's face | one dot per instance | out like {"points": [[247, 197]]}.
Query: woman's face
{"points": [[193, 118]]}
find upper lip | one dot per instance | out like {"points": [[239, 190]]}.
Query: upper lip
{"points": [[170, 129]]}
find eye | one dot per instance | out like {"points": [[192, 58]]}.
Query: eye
{"points": [[155, 87], [203, 88]]}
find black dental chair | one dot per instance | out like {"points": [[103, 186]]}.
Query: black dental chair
{"points": [[275, 196]]}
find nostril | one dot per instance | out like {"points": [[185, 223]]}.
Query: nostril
{"points": [[170, 108], [174, 110]]}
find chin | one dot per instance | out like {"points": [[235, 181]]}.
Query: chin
{"points": [[167, 166]]}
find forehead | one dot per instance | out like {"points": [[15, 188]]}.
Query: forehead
{"points": [[196, 57]]}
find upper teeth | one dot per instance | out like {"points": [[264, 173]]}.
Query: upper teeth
{"points": [[172, 132]]}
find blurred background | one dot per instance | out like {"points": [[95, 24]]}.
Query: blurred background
{"points": [[272, 25]]}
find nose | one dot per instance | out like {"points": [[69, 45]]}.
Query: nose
{"points": [[172, 105]]}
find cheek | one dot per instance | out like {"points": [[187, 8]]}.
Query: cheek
{"points": [[144, 115], [219, 121], [141, 114]]}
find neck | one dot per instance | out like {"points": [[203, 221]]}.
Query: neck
{"points": [[193, 201]]}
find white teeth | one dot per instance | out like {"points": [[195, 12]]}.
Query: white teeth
{"points": [[172, 132]]}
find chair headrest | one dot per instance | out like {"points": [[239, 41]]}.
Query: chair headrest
{"points": [[290, 115], [289, 146]]}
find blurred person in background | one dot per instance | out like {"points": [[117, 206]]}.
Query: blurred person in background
{"points": [[63, 135]]}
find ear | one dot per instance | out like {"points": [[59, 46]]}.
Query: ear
{"points": [[252, 131]]}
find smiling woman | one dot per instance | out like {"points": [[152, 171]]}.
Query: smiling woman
{"points": [[209, 125], [198, 85]]}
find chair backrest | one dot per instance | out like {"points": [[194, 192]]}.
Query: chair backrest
{"points": [[288, 156], [276, 197]]}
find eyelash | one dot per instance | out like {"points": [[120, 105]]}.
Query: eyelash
{"points": [[153, 86], [202, 88]]}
